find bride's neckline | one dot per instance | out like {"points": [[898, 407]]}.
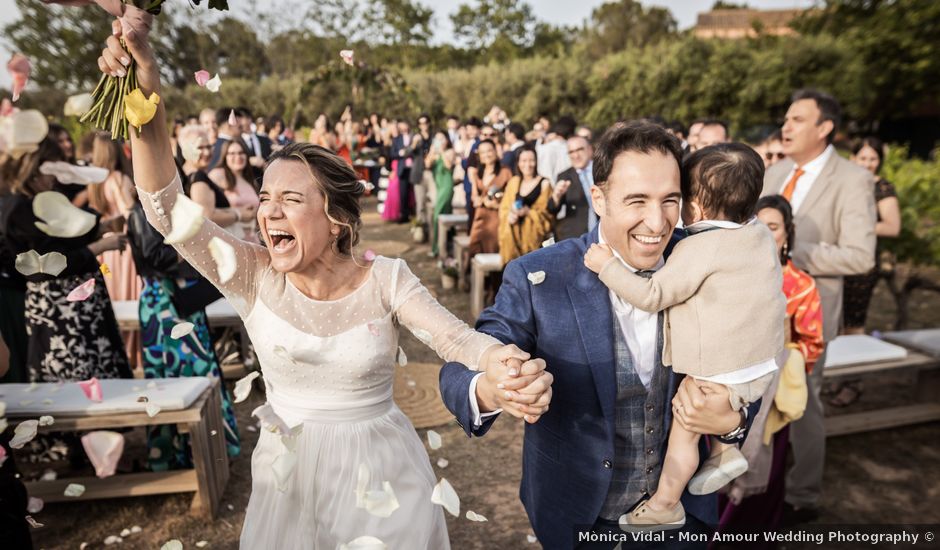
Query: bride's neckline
{"points": [[351, 293]]}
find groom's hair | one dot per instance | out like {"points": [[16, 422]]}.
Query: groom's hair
{"points": [[638, 136]]}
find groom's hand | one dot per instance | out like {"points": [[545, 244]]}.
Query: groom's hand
{"points": [[523, 389], [704, 408]]}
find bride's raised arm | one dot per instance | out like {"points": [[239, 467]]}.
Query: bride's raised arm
{"points": [[237, 264]]}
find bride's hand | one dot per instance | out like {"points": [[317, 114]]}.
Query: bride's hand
{"points": [[114, 59]]}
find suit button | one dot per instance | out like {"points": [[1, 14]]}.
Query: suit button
{"points": [[649, 430], [649, 451], [608, 464], [649, 408], [649, 470]]}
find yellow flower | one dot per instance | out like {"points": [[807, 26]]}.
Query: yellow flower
{"points": [[139, 110]]}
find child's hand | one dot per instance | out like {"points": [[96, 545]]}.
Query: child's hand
{"points": [[597, 256]]}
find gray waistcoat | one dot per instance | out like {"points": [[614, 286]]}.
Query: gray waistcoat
{"points": [[639, 438]]}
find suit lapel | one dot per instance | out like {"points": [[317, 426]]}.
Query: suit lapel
{"points": [[821, 184], [592, 310]]}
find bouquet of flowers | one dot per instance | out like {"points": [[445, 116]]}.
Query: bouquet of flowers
{"points": [[118, 102]]}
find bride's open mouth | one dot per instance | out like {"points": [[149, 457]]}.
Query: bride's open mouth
{"points": [[281, 241]]}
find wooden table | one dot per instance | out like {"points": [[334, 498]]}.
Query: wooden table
{"points": [[923, 407], [202, 421]]}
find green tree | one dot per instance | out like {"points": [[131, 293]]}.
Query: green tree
{"points": [[479, 26], [615, 26]]}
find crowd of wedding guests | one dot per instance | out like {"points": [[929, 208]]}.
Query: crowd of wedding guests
{"points": [[520, 184]]}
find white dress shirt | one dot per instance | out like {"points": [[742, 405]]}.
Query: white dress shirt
{"points": [[811, 171], [553, 159]]}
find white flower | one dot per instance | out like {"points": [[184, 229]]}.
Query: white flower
{"points": [[214, 83]]}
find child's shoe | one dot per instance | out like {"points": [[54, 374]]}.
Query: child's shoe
{"points": [[644, 518], [718, 471]]}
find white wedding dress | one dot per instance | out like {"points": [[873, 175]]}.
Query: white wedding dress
{"points": [[328, 368]]}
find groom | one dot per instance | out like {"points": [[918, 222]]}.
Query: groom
{"points": [[600, 447]]}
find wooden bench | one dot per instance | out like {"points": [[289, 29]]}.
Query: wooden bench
{"points": [[444, 223], [461, 245], [923, 405], [480, 266], [202, 420]]}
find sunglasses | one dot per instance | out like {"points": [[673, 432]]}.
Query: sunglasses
{"points": [[488, 136], [770, 156]]}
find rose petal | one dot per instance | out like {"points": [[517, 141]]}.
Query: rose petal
{"points": [[531, 539], [48, 475], [21, 132], [202, 544], [364, 543], [125, 532], [181, 329], [33, 386], [112, 539], [232, 119], [378, 503], [434, 440], [74, 490], [34, 506], [152, 409], [60, 218], [442, 462], [283, 467], [536, 278], [445, 495], [190, 150], [19, 69], [104, 269], [92, 389], [140, 109], [374, 330], [224, 256], [6, 107], [47, 401], [3, 455], [243, 386], [347, 56], [136, 529], [202, 76], [78, 105], [369, 255], [24, 432], [46, 420], [402, 358], [104, 450], [82, 292], [30, 263], [186, 218], [214, 84], [65, 172], [270, 420], [32, 522], [473, 516], [172, 545]]}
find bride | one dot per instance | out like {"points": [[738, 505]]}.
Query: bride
{"points": [[339, 460]]}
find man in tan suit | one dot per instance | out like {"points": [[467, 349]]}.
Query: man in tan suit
{"points": [[834, 216]]}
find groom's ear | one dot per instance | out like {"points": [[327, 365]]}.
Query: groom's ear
{"points": [[598, 200]]}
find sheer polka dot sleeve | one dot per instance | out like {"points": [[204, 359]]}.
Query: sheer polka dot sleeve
{"points": [[231, 264], [439, 329]]}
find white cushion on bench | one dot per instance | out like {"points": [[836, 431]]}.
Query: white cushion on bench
{"points": [[451, 219], [488, 262], [170, 394], [861, 348], [925, 340]]}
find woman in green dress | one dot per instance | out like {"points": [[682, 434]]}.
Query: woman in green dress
{"points": [[440, 160]]}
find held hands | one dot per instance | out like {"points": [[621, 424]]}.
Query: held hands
{"points": [[597, 256], [704, 408], [515, 383]]}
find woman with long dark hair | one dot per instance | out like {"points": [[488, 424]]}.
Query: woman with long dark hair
{"points": [[237, 179], [524, 219], [440, 161], [489, 179]]}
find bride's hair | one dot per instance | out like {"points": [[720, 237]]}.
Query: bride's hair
{"points": [[339, 185]]}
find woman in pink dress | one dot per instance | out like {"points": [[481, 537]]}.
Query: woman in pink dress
{"points": [[391, 211], [237, 177]]}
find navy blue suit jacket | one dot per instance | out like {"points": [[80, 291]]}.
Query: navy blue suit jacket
{"points": [[567, 321]]}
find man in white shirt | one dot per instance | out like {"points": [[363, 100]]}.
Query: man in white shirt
{"points": [[834, 219], [553, 151], [598, 450]]}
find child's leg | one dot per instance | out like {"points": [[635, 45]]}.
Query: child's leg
{"points": [[681, 463]]}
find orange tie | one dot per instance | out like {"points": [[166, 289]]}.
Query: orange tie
{"points": [[791, 185]]}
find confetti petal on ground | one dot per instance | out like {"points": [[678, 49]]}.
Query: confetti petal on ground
{"points": [[92, 389], [364, 543], [473, 516], [347, 56], [73, 173], [24, 432], [60, 218], [224, 256], [113, 539], [402, 358], [243, 387], [74, 490], [445, 495], [34, 506], [104, 449], [531, 539], [442, 462], [46, 420], [49, 475], [186, 218], [125, 532], [181, 329], [152, 409], [77, 105], [536, 278], [82, 292], [202, 544], [33, 523], [270, 420], [30, 263], [202, 76], [136, 529], [214, 84], [434, 440], [172, 545], [19, 69]]}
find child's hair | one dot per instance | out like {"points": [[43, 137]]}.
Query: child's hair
{"points": [[725, 180]]}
